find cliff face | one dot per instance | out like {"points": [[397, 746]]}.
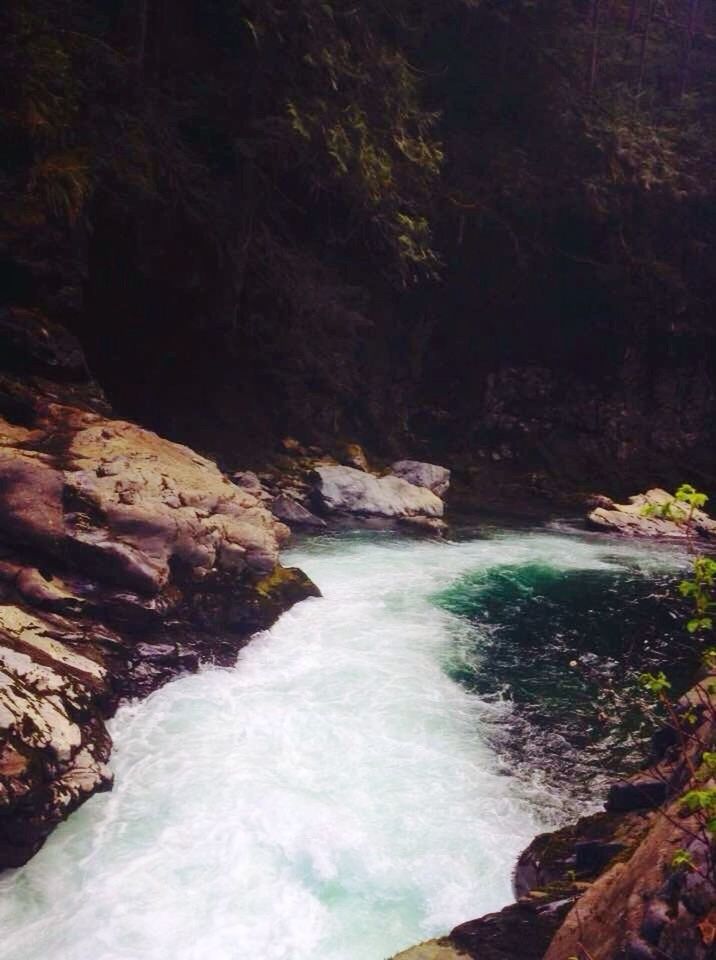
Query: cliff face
{"points": [[124, 559], [637, 421]]}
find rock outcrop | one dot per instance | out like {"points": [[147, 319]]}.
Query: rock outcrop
{"points": [[655, 513], [124, 559], [294, 514], [428, 475]]}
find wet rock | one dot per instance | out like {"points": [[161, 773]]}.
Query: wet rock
{"points": [[576, 852], [423, 526], [591, 856], [639, 793], [522, 930], [344, 490], [291, 512], [655, 513], [428, 475], [162, 652]]}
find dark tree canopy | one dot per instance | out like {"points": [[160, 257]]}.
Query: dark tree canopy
{"points": [[346, 208]]}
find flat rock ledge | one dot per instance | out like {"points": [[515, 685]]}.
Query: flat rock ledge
{"points": [[655, 514], [125, 559], [442, 949]]}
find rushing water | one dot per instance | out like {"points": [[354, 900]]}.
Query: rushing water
{"points": [[347, 790]]}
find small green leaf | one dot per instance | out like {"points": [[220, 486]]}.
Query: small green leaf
{"points": [[681, 860], [655, 683], [704, 800]]}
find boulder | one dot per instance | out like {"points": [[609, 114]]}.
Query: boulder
{"points": [[248, 480], [637, 793], [353, 455], [428, 475], [522, 929], [344, 490], [294, 514], [655, 513]]}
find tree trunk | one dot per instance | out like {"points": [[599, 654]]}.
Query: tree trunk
{"points": [[631, 26], [644, 46], [140, 50], [505, 43], [688, 45], [596, 10]]}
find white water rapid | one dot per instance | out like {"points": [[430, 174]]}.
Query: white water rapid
{"points": [[333, 797]]}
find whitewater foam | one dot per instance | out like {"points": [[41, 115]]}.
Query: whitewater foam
{"points": [[333, 797]]}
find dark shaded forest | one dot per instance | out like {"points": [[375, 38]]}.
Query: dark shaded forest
{"points": [[480, 231]]}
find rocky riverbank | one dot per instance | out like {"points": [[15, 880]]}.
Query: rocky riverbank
{"points": [[605, 888], [124, 560], [655, 513]]}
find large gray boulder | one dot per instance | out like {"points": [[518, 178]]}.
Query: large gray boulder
{"points": [[343, 490], [428, 475], [655, 513]]}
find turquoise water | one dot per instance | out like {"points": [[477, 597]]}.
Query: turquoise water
{"points": [[367, 774], [528, 621]]}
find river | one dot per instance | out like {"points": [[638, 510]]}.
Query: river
{"points": [[366, 775]]}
